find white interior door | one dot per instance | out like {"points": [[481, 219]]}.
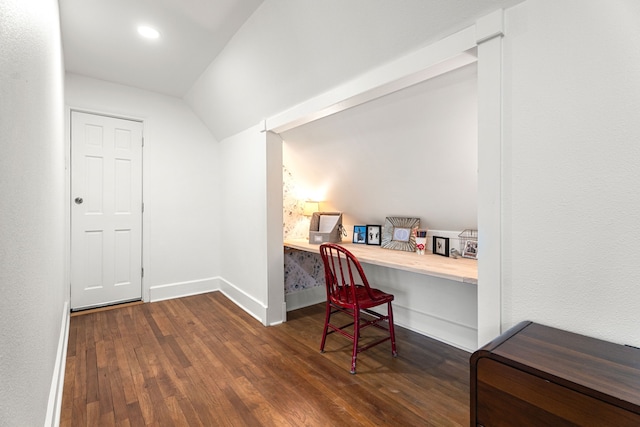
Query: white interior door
{"points": [[106, 210]]}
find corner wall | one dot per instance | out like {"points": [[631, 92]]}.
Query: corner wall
{"points": [[33, 290], [251, 227]]}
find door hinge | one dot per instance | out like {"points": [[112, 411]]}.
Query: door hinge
{"points": [[142, 272], [143, 207], [143, 141]]}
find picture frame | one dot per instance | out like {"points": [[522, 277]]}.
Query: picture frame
{"points": [[374, 235], [399, 233], [470, 249], [441, 245], [360, 234]]}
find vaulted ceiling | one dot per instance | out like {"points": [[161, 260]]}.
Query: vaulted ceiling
{"points": [[100, 39], [236, 62]]}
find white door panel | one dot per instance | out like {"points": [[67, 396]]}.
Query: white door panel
{"points": [[106, 210]]}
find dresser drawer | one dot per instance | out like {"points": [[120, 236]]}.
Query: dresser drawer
{"points": [[507, 396], [535, 375]]}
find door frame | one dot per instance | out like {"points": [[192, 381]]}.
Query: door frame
{"points": [[67, 214]]}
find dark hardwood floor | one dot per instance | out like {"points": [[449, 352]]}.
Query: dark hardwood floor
{"points": [[202, 361]]}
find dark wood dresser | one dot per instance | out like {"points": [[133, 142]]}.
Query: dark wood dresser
{"points": [[535, 375]]}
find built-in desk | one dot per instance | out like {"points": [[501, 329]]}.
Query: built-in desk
{"points": [[460, 270]]}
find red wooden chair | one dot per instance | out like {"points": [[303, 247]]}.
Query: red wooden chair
{"points": [[348, 291]]}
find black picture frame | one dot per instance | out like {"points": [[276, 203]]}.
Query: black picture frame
{"points": [[441, 245], [360, 234], [374, 235]]}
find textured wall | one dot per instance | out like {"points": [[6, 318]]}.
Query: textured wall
{"points": [[302, 270], [32, 289], [294, 224], [572, 209]]}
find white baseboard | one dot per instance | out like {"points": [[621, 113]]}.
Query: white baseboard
{"points": [[452, 333], [194, 287], [455, 334], [183, 289], [54, 405], [305, 297], [245, 301]]}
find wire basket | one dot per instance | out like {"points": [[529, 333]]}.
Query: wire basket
{"points": [[466, 236]]}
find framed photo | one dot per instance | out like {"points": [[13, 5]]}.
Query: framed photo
{"points": [[374, 235], [441, 246], [470, 249], [360, 234], [400, 233]]}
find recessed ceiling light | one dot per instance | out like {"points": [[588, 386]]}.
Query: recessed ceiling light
{"points": [[148, 32]]}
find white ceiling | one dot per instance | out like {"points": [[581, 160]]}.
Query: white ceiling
{"points": [[100, 39]]}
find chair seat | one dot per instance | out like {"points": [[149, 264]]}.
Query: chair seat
{"points": [[364, 301]]}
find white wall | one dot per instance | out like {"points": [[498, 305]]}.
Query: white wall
{"points": [[442, 309], [289, 51], [181, 184], [571, 205], [411, 153], [251, 247], [33, 293]]}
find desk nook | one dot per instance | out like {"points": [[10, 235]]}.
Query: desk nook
{"points": [[411, 153], [434, 295]]}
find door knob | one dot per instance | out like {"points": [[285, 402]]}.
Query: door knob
{"points": [[78, 200]]}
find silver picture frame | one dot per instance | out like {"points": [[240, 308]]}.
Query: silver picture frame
{"points": [[399, 233]]}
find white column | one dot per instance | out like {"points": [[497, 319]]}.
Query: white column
{"points": [[276, 306], [489, 33]]}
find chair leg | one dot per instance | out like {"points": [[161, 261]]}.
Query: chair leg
{"points": [[356, 336], [392, 331], [327, 318]]}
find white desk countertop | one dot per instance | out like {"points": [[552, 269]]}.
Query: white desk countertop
{"points": [[460, 270]]}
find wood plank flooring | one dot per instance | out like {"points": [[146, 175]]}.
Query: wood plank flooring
{"points": [[202, 361]]}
